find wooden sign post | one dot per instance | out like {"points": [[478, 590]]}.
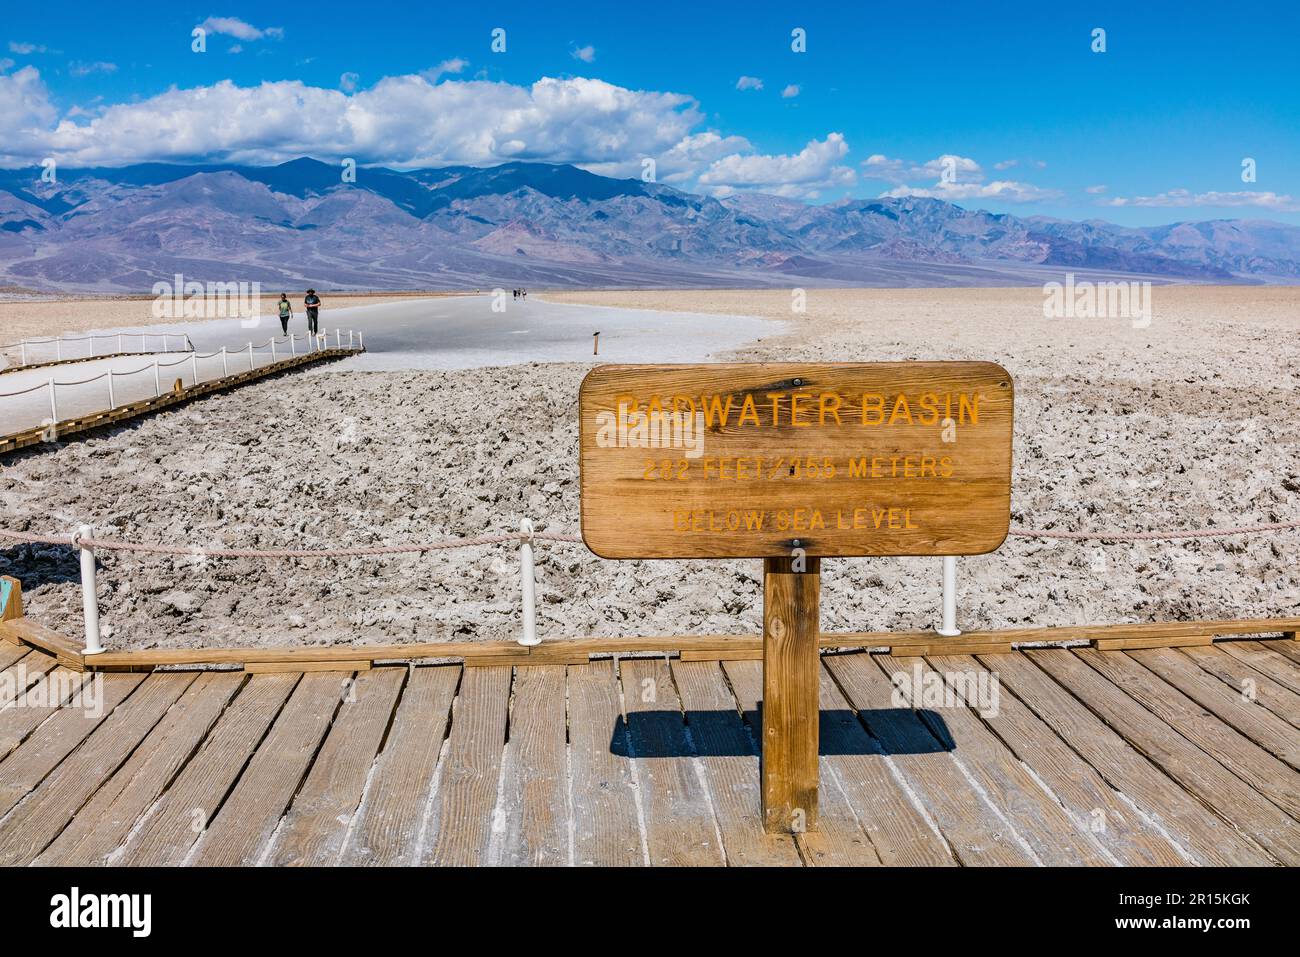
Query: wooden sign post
{"points": [[793, 463]]}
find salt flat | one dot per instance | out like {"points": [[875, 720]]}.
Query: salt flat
{"points": [[1187, 423]]}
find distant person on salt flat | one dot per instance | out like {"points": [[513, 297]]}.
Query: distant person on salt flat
{"points": [[312, 302], [286, 312]]}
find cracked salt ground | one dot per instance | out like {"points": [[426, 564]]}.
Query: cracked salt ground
{"points": [[1117, 438]]}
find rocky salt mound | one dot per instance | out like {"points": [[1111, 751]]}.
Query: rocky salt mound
{"points": [[357, 458]]}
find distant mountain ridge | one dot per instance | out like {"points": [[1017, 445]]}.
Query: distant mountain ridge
{"points": [[299, 223]]}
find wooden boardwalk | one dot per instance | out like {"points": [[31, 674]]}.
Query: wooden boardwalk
{"points": [[1085, 757]]}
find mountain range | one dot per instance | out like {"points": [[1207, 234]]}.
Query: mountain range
{"points": [[544, 225]]}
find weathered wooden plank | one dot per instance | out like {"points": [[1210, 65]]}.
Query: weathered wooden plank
{"points": [[866, 794], [41, 699], [1235, 708], [1056, 838], [1252, 764], [179, 818], [392, 812], [11, 653], [1245, 680], [973, 828], [246, 820], [533, 816], [1129, 771], [21, 674], [790, 676], [1123, 644], [1267, 657], [56, 738], [1125, 833], [730, 762], [466, 794], [606, 829], [38, 820], [1229, 796], [316, 824], [679, 821], [304, 667], [106, 819]]}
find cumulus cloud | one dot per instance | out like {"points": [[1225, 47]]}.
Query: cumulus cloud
{"points": [[1183, 198], [240, 30], [898, 171], [790, 92], [445, 68], [402, 121], [586, 54], [749, 83], [1095, 190], [5, 63], [1008, 191], [800, 175], [952, 178], [25, 49], [26, 117], [86, 69], [348, 82]]}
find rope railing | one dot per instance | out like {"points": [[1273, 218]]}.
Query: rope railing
{"points": [[120, 338], [84, 540], [193, 357]]}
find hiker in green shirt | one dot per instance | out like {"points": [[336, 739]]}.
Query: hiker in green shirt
{"points": [[286, 312]]}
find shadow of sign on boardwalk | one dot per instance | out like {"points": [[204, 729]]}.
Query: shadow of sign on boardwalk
{"points": [[658, 734]]}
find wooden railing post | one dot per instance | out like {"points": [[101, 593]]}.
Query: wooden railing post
{"points": [[791, 667]]}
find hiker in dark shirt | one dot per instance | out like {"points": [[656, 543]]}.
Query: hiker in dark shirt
{"points": [[286, 312], [312, 302]]}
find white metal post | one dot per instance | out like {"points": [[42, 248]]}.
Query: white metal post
{"points": [[58, 347], [338, 338], [250, 357], [157, 383], [112, 403], [293, 344], [361, 341], [119, 343], [194, 366], [225, 366], [528, 581], [54, 406], [351, 336], [949, 627], [22, 346], [89, 602], [273, 350]]}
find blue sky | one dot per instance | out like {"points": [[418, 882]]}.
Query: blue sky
{"points": [[1030, 119]]}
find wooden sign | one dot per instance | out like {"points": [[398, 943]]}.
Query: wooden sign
{"points": [[756, 460]]}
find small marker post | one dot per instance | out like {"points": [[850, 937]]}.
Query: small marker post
{"points": [[595, 343]]}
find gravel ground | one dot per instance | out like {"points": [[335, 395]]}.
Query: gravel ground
{"points": [[1189, 423]]}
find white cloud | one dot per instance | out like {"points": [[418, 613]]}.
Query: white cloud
{"points": [[1095, 190], [402, 121], [804, 174], [1008, 191], [25, 49], [1182, 198], [879, 166], [240, 30], [749, 83], [86, 69], [1005, 164], [452, 66], [790, 92], [348, 82], [586, 54], [5, 63]]}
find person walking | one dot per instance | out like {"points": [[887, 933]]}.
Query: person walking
{"points": [[286, 312], [312, 302]]}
